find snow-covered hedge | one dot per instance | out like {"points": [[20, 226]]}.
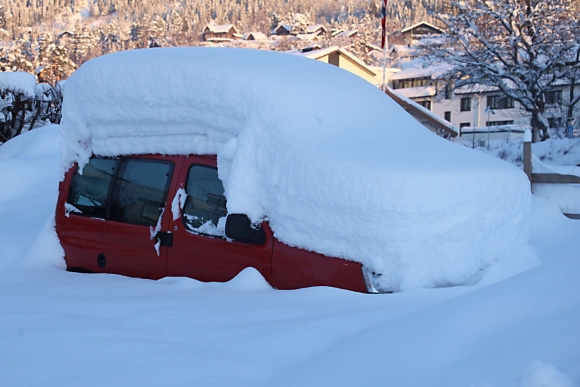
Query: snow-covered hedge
{"points": [[24, 105], [334, 164]]}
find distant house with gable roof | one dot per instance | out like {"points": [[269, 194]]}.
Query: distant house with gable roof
{"points": [[420, 30], [343, 59], [282, 30], [347, 34], [317, 29], [255, 36], [220, 32]]}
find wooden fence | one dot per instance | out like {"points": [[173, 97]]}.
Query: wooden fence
{"points": [[545, 178]]}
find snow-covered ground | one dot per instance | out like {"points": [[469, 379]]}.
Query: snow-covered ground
{"points": [[68, 329]]}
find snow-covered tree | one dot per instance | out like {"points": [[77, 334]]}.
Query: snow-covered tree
{"points": [[522, 47]]}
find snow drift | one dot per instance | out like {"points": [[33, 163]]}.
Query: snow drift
{"points": [[331, 162]]}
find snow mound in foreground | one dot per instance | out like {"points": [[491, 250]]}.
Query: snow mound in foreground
{"points": [[335, 165], [248, 279]]}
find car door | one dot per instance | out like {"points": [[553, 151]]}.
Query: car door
{"points": [[200, 249], [81, 213], [136, 226]]}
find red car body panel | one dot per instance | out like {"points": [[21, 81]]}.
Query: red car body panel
{"points": [[212, 258], [297, 268], [130, 250]]}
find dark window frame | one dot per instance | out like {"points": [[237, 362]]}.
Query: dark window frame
{"points": [[113, 189], [183, 217], [553, 97], [113, 183], [498, 102], [425, 104], [465, 104], [499, 123], [447, 116], [105, 208]]}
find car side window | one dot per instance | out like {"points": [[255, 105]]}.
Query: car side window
{"points": [[204, 211], [88, 192], [140, 191]]}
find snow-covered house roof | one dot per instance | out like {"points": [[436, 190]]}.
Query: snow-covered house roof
{"points": [[417, 92], [422, 24], [418, 71], [360, 68], [316, 29], [347, 34], [422, 114], [254, 36], [336, 31], [412, 190], [221, 28], [282, 29]]}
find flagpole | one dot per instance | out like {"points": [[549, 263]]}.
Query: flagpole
{"points": [[384, 42]]}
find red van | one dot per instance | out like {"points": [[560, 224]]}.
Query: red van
{"points": [[152, 216]]}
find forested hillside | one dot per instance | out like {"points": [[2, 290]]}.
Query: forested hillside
{"points": [[58, 35]]}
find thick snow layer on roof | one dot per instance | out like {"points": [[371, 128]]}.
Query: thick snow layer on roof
{"points": [[18, 81], [351, 176], [417, 92], [417, 70]]}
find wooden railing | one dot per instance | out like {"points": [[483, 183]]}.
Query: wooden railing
{"points": [[545, 178]]}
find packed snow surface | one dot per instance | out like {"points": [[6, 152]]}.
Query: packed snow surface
{"points": [[67, 329], [333, 164]]}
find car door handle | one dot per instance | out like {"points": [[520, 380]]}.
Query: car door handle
{"points": [[164, 239]]}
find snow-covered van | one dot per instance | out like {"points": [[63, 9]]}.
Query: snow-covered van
{"points": [[201, 162]]}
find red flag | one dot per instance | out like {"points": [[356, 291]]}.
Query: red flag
{"points": [[383, 23]]}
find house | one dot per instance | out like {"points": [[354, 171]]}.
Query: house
{"points": [[420, 30], [480, 112], [349, 34], [474, 106], [254, 36], [343, 59], [425, 117], [220, 33], [317, 29], [335, 31], [282, 30]]}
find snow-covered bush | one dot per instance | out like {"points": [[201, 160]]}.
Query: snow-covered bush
{"points": [[24, 105]]}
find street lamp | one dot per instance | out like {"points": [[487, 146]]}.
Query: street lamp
{"points": [[488, 110]]}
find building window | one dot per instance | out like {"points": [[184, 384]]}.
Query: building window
{"points": [[499, 123], [466, 104], [499, 102], [555, 122], [425, 104], [448, 116], [411, 82], [448, 91], [554, 97], [464, 125]]}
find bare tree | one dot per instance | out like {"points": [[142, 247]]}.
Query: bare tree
{"points": [[523, 47]]}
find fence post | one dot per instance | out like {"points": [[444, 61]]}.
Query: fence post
{"points": [[528, 154]]}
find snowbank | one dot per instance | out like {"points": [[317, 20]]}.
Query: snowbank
{"points": [[335, 165], [565, 196]]}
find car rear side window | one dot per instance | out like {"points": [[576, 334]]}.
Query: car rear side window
{"points": [[205, 204], [88, 192], [140, 191]]}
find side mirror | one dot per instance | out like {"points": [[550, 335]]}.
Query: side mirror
{"points": [[239, 228]]}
